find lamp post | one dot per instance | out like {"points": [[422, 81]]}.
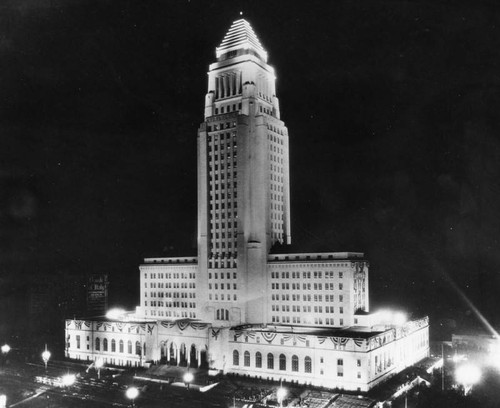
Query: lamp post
{"points": [[188, 378], [281, 394], [132, 393], [46, 357], [5, 350], [98, 365]]}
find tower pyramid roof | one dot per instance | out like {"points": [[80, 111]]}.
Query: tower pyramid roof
{"points": [[241, 36]]}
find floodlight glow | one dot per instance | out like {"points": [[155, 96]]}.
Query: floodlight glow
{"points": [[98, 363], [68, 379], [3, 401], [188, 377], [458, 357], [468, 374], [281, 394], [385, 316], [399, 318], [390, 317], [5, 348], [115, 313]]}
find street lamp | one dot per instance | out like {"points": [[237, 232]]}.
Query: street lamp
{"points": [[468, 375], [46, 357], [132, 393], [98, 365], [5, 349], [281, 394], [188, 378]]}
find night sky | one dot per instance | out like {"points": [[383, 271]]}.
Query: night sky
{"points": [[392, 108]]}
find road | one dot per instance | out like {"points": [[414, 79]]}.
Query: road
{"points": [[23, 386]]}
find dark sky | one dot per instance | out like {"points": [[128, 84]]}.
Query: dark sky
{"points": [[392, 109]]}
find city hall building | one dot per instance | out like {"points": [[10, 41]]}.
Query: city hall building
{"points": [[238, 307]]}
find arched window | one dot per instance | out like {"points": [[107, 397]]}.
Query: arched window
{"points": [[105, 344], [129, 347], [97, 343], [307, 365], [137, 348], [246, 359], [295, 363], [282, 362], [121, 346], [270, 361], [258, 360], [236, 358], [113, 346]]}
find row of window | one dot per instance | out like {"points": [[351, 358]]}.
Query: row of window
{"points": [[305, 308], [285, 297], [222, 286], [222, 275], [231, 256], [121, 345], [222, 264], [229, 162], [306, 275], [329, 321], [170, 275], [222, 297], [174, 295], [159, 303], [172, 313], [306, 286], [215, 186], [275, 130], [219, 126], [307, 365], [223, 146], [227, 108], [170, 285]]}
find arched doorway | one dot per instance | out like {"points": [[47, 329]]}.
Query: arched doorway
{"points": [[173, 354], [193, 357], [182, 355], [203, 359]]}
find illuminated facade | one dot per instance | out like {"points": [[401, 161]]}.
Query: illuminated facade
{"points": [[237, 306]]}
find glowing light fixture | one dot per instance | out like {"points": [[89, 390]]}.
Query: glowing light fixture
{"points": [[132, 393], [468, 375], [281, 394], [68, 379], [188, 378], [45, 357], [115, 313]]}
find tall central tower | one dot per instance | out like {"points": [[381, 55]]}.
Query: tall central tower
{"points": [[243, 181]]}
